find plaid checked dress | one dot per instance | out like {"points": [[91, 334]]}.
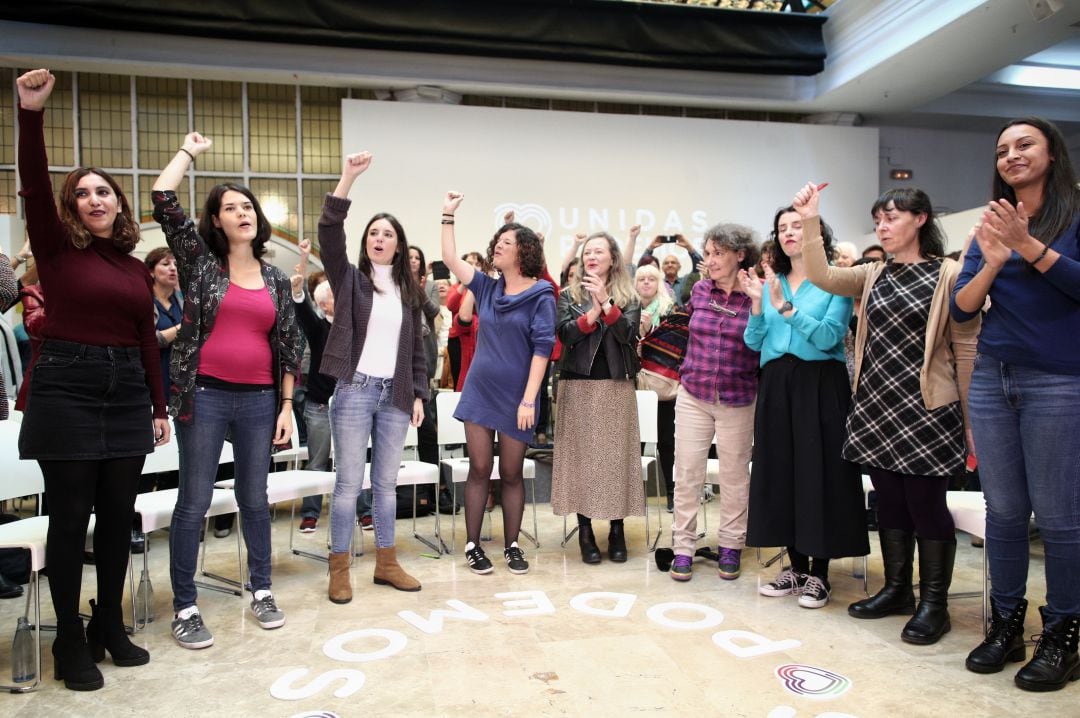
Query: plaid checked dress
{"points": [[889, 426]]}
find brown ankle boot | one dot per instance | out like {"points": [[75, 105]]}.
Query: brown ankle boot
{"points": [[340, 588], [389, 573]]}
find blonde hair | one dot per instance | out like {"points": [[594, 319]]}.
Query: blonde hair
{"points": [[619, 285], [666, 302]]}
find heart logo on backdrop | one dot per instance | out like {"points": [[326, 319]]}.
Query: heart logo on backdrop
{"points": [[812, 682], [530, 214]]}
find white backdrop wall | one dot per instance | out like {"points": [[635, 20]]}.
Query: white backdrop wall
{"points": [[567, 172]]}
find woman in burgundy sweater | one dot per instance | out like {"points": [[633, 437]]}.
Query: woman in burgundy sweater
{"points": [[95, 406]]}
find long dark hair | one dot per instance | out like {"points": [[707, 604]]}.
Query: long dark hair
{"points": [[1061, 198], [125, 231], [403, 277], [423, 263], [778, 260], [215, 238], [915, 201]]}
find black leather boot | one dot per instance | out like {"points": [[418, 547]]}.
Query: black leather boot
{"points": [[616, 542], [106, 631], [587, 541], [1004, 642], [931, 619], [9, 589], [71, 658], [896, 597], [1055, 661]]}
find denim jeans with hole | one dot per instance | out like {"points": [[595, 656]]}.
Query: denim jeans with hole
{"points": [[363, 408], [1027, 439], [250, 418]]}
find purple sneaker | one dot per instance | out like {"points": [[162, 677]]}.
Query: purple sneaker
{"points": [[730, 560], [680, 568]]}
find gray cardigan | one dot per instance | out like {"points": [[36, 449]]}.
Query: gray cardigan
{"points": [[352, 301]]}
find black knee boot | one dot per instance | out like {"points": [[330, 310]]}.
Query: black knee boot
{"points": [[616, 542], [106, 631], [896, 597], [1056, 661], [587, 541], [931, 619], [1003, 643], [71, 658]]}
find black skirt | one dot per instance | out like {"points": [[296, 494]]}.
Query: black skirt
{"points": [[87, 402], [802, 493]]}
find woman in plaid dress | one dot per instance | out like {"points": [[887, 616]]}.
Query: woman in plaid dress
{"points": [[913, 365]]}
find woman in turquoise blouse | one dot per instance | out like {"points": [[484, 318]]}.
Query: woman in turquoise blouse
{"points": [[803, 495]]}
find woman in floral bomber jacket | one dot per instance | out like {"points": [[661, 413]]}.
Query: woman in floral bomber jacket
{"points": [[234, 364]]}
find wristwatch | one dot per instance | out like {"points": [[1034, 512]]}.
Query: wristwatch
{"points": [[787, 306]]}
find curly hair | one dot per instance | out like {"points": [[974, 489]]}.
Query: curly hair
{"points": [[125, 231], [215, 238], [735, 238], [530, 250], [778, 259]]}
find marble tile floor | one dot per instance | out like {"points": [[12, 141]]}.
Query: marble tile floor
{"points": [[555, 657]]}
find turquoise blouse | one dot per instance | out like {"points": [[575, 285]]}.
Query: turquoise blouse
{"points": [[814, 332]]}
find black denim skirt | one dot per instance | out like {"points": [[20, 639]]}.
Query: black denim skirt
{"points": [[87, 402]]}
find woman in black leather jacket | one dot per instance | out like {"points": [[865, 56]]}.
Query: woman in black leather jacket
{"points": [[597, 469]]}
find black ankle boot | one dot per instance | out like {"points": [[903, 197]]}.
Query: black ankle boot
{"points": [[1004, 642], [931, 619], [896, 597], [1055, 661], [71, 658], [587, 541], [616, 542], [106, 631]]}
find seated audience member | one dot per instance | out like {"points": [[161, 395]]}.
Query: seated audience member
{"points": [[671, 265], [875, 252]]}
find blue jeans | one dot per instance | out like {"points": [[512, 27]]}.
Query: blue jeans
{"points": [[362, 409], [317, 419], [1027, 438], [249, 417]]}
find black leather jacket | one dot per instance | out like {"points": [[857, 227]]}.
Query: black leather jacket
{"points": [[579, 349]]}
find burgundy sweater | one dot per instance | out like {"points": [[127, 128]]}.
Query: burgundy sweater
{"points": [[99, 295]]}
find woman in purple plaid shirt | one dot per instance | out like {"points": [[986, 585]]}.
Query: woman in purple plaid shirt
{"points": [[716, 397]]}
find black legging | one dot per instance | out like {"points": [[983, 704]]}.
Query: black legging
{"points": [[480, 441], [74, 488], [665, 447], [453, 350], [913, 504]]}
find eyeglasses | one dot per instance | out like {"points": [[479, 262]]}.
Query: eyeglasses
{"points": [[718, 307]]}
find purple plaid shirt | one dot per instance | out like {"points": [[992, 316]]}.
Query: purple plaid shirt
{"points": [[718, 364]]}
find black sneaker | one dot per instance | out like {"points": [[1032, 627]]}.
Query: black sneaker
{"points": [[477, 560], [515, 559], [787, 583], [815, 593]]}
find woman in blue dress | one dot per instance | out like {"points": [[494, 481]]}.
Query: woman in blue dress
{"points": [[516, 337]]}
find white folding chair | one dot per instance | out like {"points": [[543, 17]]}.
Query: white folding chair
{"points": [[23, 478], [451, 431], [968, 509]]}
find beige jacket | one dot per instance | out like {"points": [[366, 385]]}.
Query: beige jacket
{"points": [[949, 355]]}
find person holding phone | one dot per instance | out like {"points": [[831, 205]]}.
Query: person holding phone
{"points": [[671, 266]]}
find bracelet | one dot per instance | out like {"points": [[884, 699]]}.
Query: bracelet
{"points": [[188, 154], [447, 221], [445, 214], [286, 398], [1042, 254], [528, 404]]}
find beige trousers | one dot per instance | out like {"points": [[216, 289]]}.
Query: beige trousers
{"points": [[695, 424]]}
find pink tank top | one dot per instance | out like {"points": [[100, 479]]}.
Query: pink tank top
{"points": [[238, 348]]}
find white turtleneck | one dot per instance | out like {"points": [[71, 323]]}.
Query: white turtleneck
{"points": [[379, 356]]}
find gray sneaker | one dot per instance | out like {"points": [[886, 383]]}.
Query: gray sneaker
{"points": [[191, 632], [267, 613]]}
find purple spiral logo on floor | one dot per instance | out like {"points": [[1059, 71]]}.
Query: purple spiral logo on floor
{"points": [[812, 682]]}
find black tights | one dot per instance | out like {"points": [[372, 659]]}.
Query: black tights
{"points": [[915, 504], [800, 563], [480, 441], [74, 488]]}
